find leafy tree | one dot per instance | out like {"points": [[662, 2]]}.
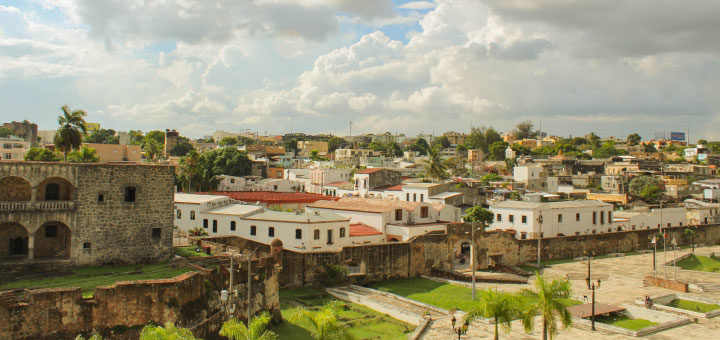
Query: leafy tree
{"points": [[501, 307], [456, 165], [228, 141], [182, 148], [702, 141], [607, 150], [434, 166], [291, 145], [393, 149], [315, 155], [6, 132], [41, 155], [323, 324], [593, 140], [491, 177], [691, 233], [376, 146], [515, 196], [335, 143], [443, 141], [169, 332], [633, 139], [497, 150], [156, 136], [257, 329], [649, 148], [244, 140], [226, 161], [72, 128], [525, 130], [152, 149], [520, 150], [420, 145], [461, 150], [546, 300], [84, 155], [479, 214], [136, 137], [103, 136], [647, 187]]}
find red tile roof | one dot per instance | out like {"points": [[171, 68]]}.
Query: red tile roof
{"points": [[368, 171], [271, 197], [336, 184], [389, 188], [361, 229]]}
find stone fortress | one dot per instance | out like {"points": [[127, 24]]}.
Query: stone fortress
{"points": [[85, 214]]}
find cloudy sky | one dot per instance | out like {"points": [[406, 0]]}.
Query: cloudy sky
{"points": [[612, 66]]}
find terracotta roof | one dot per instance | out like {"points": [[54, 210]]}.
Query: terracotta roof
{"points": [[271, 197], [368, 171], [584, 311], [389, 188], [361, 229], [365, 204], [336, 184]]}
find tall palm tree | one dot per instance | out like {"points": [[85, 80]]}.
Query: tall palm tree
{"points": [[434, 166], [546, 300], [257, 330], [152, 332], [190, 167], [502, 307], [152, 149], [323, 324], [72, 128]]}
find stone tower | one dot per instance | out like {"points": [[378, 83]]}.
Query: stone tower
{"points": [[171, 141]]}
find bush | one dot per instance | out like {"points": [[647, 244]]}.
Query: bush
{"points": [[334, 274]]}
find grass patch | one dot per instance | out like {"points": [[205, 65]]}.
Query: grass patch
{"points": [[570, 302], [700, 263], [364, 323], [693, 306], [625, 322], [189, 251], [88, 278]]}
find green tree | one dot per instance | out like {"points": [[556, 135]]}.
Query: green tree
{"points": [[93, 337], [393, 149], [520, 150], [182, 148], [228, 141], [593, 140], [315, 155], [456, 165], [515, 196], [547, 300], [525, 130], [136, 137], [649, 148], [633, 139], [5, 132], [156, 136], [84, 155], [479, 214], [41, 155], [103, 136], [491, 177], [291, 145], [461, 150], [496, 150], [152, 149], [434, 166], [257, 330], [323, 324], [226, 161], [335, 143], [169, 332], [443, 141], [491, 137], [475, 140], [702, 141], [190, 170], [691, 233], [501, 307], [648, 187], [420, 145], [71, 131]]}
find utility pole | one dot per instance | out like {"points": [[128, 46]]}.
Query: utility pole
{"points": [[593, 287], [232, 269], [472, 258], [539, 237]]}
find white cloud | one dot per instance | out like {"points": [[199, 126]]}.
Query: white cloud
{"points": [[418, 5]]}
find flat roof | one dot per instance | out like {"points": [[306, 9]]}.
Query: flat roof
{"points": [[585, 310], [550, 205], [366, 205], [195, 198], [271, 197], [446, 194], [235, 209], [291, 216]]}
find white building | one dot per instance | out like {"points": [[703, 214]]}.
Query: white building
{"points": [[299, 231], [13, 148], [636, 219], [319, 178], [533, 176], [256, 183], [530, 219]]}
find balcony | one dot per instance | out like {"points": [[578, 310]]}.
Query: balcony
{"points": [[37, 205]]}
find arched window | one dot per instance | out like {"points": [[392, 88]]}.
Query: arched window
{"points": [[253, 230], [130, 194], [342, 232]]}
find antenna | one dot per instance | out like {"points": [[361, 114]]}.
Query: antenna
{"points": [[350, 128]]}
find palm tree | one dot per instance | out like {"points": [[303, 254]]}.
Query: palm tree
{"points": [[546, 300], [190, 167], [72, 128], [236, 330], [85, 155], [152, 149], [152, 332], [434, 166], [323, 324], [502, 307]]}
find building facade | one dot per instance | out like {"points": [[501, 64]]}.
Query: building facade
{"points": [[13, 148]]}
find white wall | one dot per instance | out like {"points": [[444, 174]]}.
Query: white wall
{"points": [[409, 232], [651, 220], [551, 227], [375, 220]]}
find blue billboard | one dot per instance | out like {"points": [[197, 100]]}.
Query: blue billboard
{"points": [[678, 136]]}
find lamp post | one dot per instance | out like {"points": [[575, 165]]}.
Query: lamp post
{"points": [[460, 330], [472, 257], [592, 286], [539, 236]]}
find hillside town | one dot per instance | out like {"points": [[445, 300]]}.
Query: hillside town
{"points": [[359, 170]]}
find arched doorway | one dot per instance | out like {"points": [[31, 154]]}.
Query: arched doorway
{"points": [[52, 240], [15, 189], [54, 189], [13, 240]]}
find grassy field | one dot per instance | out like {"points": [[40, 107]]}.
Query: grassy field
{"points": [[625, 322], [189, 251], [443, 295], [89, 278], [700, 263], [364, 323], [693, 306]]}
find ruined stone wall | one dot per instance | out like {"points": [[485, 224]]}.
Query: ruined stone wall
{"points": [[13, 190]]}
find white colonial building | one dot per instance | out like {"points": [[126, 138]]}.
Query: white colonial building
{"points": [[550, 219]]}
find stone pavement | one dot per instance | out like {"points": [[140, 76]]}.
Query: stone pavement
{"points": [[624, 284]]}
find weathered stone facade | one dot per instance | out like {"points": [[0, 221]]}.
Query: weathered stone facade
{"points": [[25, 130], [88, 213]]}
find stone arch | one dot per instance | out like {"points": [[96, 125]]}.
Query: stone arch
{"points": [[13, 240], [461, 252], [15, 188], [55, 189], [53, 239]]}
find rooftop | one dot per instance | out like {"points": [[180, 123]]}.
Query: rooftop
{"points": [[292, 216], [271, 197], [236, 209], [195, 198], [444, 195], [365, 204], [551, 205], [361, 229], [368, 171]]}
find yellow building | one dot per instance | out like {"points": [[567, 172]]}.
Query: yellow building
{"points": [[92, 127], [116, 152]]}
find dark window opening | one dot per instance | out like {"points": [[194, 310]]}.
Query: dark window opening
{"points": [[192, 215], [298, 234], [577, 217], [271, 231], [253, 230], [559, 217], [424, 212], [511, 218], [523, 219], [329, 236], [52, 192], [499, 217], [342, 232], [316, 234], [51, 231], [86, 245], [129, 194], [178, 214], [232, 225], [205, 223], [156, 232], [101, 198], [398, 214]]}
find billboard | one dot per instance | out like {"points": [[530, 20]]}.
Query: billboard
{"points": [[677, 136]]}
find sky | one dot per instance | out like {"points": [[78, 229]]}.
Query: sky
{"points": [[613, 67]]}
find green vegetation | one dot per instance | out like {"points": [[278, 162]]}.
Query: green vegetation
{"points": [[501, 307], [84, 155], [72, 128], [443, 295], [364, 323], [693, 305], [625, 322], [256, 330], [547, 300], [700, 263], [89, 278], [41, 155], [190, 251], [153, 332]]}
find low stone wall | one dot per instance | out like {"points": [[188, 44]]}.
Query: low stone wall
{"points": [[664, 320], [396, 313], [669, 284], [661, 303]]}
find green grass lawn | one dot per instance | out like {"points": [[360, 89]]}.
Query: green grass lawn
{"points": [[700, 263], [693, 306], [90, 277], [625, 322], [364, 322], [189, 252], [443, 295]]}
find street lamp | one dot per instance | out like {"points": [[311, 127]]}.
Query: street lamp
{"points": [[461, 330], [539, 236], [592, 286]]}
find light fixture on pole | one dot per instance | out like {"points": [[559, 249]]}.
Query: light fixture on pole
{"points": [[539, 236], [592, 286]]}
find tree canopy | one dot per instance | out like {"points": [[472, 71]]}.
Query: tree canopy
{"points": [[443, 141], [648, 187], [5, 132], [84, 155], [420, 145], [103, 136], [41, 155], [182, 148], [479, 214], [524, 130], [226, 161], [335, 143], [633, 139], [72, 128]]}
